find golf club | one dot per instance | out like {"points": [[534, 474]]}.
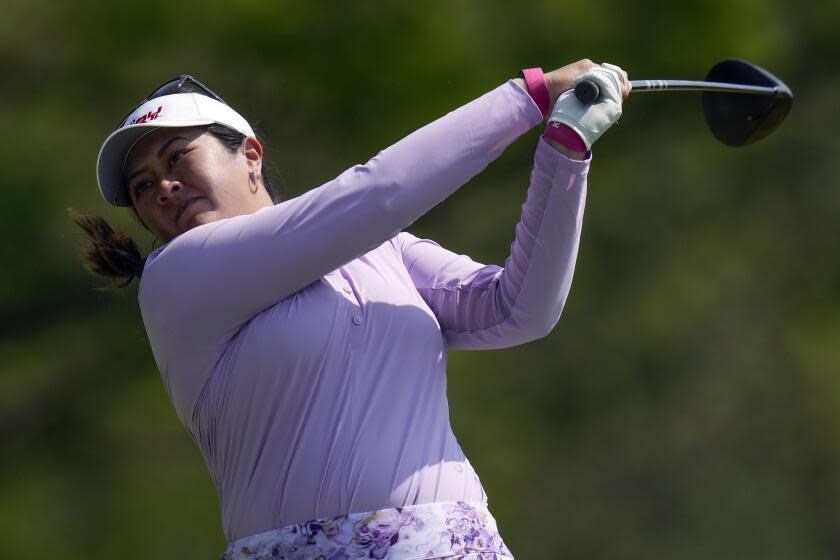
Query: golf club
{"points": [[742, 102]]}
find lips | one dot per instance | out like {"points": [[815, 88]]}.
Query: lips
{"points": [[184, 205]]}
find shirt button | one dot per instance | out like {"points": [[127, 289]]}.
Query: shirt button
{"points": [[348, 289], [357, 320]]}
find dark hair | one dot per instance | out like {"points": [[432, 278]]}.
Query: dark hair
{"points": [[110, 253], [232, 140], [115, 255]]}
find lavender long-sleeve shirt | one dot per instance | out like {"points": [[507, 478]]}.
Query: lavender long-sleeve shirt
{"points": [[304, 346]]}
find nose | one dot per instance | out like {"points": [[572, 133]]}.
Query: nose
{"points": [[166, 190]]}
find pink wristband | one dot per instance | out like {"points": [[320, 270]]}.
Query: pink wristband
{"points": [[537, 88], [564, 135]]}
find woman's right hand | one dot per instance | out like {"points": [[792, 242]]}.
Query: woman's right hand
{"points": [[560, 80]]}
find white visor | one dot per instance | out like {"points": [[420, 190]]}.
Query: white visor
{"points": [[176, 110]]}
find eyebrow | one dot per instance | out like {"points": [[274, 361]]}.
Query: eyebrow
{"points": [[159, 155]]}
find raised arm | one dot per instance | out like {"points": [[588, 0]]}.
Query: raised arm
{"points": [[485, 306], [215, 277]]}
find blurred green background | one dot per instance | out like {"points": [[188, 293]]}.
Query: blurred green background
{"points": [[686, 405]]}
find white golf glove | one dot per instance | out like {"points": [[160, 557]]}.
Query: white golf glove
{"points": [[590, 121]]}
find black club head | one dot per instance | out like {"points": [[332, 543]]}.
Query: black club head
{"points": [[738, 119]]}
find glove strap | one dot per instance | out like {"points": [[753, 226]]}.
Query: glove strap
{"points": [[537, 88], [565, 135]]}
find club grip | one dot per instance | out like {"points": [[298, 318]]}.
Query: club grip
{"points": [[587, 91]]}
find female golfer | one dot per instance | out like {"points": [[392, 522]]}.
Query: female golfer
{"points": [[304, 344]]}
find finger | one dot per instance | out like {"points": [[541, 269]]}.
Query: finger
{"points": [[583, 65], [607, 82], [625, 86], [615, 68]]}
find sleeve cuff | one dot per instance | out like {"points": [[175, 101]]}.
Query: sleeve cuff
{"points": [[537, 88]]}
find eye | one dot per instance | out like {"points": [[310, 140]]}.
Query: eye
{"points": [[140, 188], [175, 156]]}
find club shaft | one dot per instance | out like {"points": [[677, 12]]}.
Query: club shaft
{"points": [[688, 85]]}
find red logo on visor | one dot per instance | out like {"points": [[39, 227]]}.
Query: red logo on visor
{"points": [[150, 116]]}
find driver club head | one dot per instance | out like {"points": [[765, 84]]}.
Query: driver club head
{"points": [[738, 119]]}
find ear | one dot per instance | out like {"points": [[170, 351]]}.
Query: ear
{"points": [[253, 154]]}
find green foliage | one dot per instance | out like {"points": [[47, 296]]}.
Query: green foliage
{"points": [[686, 404]]}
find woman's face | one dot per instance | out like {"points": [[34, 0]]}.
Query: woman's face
{"points": [[179, 178]]}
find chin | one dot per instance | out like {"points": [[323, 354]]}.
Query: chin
{"points": [[200, 219]]}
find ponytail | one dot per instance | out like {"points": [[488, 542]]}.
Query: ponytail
{"points": [[111, 254]]}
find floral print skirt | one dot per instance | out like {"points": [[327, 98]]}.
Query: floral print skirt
{"points": [[452, 530]]}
